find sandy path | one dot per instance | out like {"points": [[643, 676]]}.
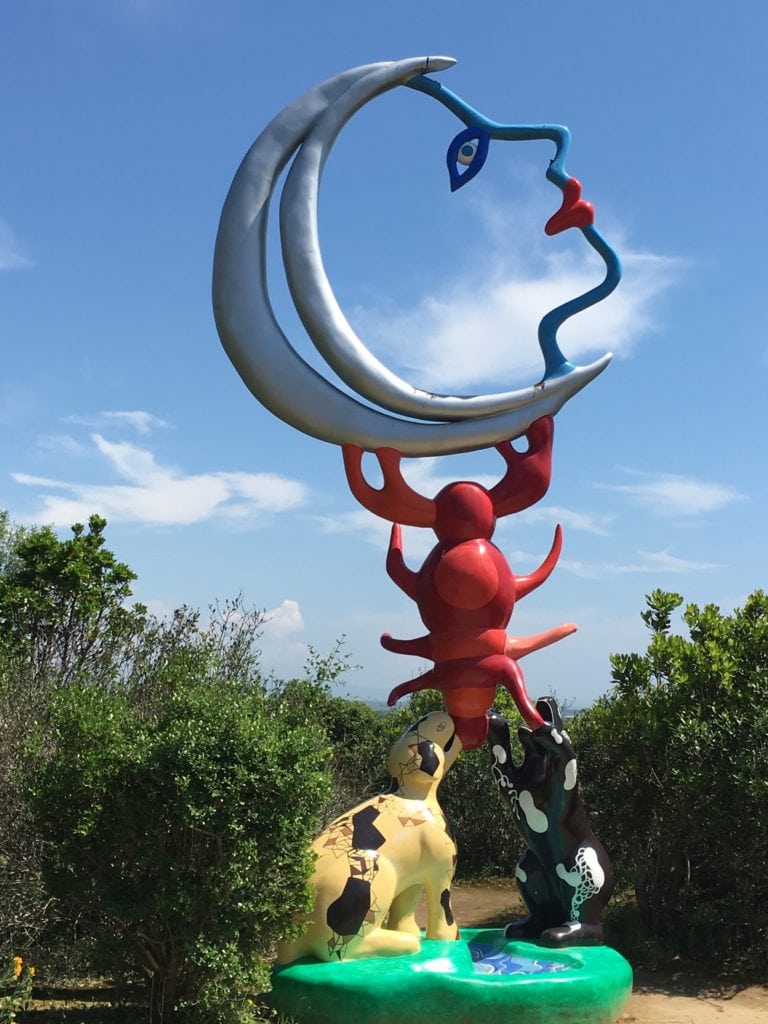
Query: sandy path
{"points": [[656, 999], [668, 1000], [664, 1000]]}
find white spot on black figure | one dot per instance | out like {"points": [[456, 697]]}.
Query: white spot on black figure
{"points": [[536, 819]]}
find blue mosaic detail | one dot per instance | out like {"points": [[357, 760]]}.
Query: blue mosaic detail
{"points": [[487, 959]]}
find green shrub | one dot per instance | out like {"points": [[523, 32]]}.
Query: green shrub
{"points": [[360, 736], [673, 766], [62, 616], [62, 602], [180, 836]]}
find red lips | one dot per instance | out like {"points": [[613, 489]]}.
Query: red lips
{"points": [[575, 212]]}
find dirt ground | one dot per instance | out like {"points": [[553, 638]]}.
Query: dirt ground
{"points": [[656, 999]]}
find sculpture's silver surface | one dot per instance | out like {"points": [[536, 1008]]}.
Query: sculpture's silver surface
{"points": [[272, 370]]}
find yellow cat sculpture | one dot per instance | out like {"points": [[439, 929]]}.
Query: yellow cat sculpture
{"points": [[373, 862]]}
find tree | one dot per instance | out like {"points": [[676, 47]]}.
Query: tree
{"points": [[62, 614], [673, 765], [181, 836], [160, 806], [360, 737], [62, 603]]}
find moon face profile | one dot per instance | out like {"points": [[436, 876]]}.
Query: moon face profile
{"points": [[273, 370]]}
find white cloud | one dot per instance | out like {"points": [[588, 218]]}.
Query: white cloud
{"points": [[160, 609], [648, 561], [139, 420], [36, 481], [417, 541], [421, 475], [569, 518], [154, 494], [283, 653], [11, 257], [62, 444], [665, 562], [357, 521], [283, 620], [142, 422], [481, 326], [674, 495]]}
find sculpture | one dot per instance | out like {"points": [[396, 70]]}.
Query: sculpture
{"points": [[373, 862], [465, 590], [272, 369], [564, 876]]}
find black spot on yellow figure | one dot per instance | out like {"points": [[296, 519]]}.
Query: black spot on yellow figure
{"points": [[345, 915], [365, 835], [445, 903]]}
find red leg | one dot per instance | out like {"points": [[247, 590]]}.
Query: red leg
{"points": [[525, 584], [424, 682], [421, 646], [510, 675], [443, 647], [398, 571], [517, 647]]}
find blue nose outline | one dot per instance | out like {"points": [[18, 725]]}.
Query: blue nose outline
{"points": [[555, 363]]}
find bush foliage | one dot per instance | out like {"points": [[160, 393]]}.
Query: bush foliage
{"points": [[160, 796], [158, 813], [673, 761], [181, 836]]}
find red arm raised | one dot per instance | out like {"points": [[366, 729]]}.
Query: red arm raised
{"points": [[398, 571], [528, 473], [525, 584], [395, 501]]}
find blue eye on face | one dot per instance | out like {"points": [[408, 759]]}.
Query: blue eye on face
{"points": [[466, 155]]}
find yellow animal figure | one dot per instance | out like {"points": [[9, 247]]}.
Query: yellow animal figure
{"points": [[373, 862]]}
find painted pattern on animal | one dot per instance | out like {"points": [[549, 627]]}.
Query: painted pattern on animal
{"points": [[565, 876], [374, 861]]}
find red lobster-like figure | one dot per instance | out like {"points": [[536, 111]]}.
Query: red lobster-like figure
{"points": [[465, 590]]}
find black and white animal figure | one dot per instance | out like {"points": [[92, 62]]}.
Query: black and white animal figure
{"points": [[565, 876]]}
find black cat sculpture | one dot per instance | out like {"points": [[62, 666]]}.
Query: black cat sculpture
{"points": [[565, 876]]}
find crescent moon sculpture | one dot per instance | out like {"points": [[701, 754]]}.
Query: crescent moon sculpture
{"points": [[263, 356]]}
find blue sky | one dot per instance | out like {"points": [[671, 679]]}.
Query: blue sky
{"points": [[123, 124]]}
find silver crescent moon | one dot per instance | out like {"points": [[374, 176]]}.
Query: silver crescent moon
{"points": [[270, 367], [313, 296]]}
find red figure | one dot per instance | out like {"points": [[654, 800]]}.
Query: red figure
{"points": [[465, 590]]}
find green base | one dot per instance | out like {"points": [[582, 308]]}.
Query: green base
{"points": [[439, 986]]}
